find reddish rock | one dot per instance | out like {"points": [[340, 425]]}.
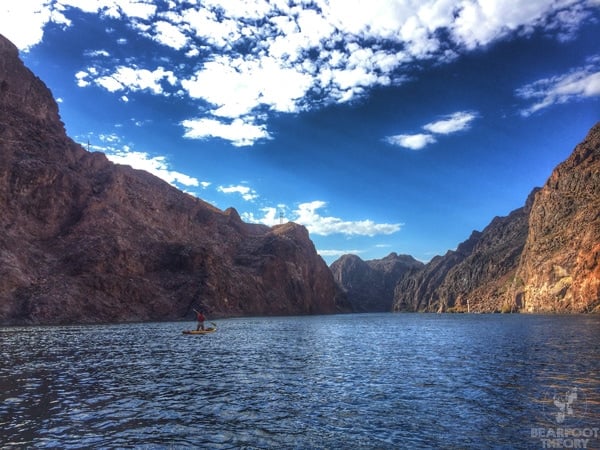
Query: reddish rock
{"points": [[560, 267], [544, 257], [85, 240]]}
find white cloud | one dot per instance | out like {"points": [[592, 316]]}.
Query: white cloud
{"points": [[135, 79], [270, 216], [377, 18], [95, 53], [277, 55], [240, 10], [169, 35], [246, 84], [338, 253], [81, 78], [455, 122], [23, 21], [411, 141], [135, 9], [205, 25], [109, 83], [480, 22], [238, 132], [246, 192], [156, 165], [307, 214], [580, 83], [109, 138], [416, 25]]}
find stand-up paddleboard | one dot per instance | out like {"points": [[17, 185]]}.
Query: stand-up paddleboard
{"points": [[205, 331]]}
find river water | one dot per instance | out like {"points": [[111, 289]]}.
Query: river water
{"points": [[344, 381]]}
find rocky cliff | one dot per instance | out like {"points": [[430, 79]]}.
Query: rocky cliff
{"points": [[369, 285], [85, 240], [475, 277], [559, 270], [544, 257]]}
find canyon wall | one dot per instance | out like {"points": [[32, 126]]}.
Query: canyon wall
{"points": [[543, 257], [84, 240]]}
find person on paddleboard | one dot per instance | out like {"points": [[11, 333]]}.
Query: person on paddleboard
{"points": [[200, 317]]}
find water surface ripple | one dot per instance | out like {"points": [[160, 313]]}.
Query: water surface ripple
{"points": [[346, 381]]}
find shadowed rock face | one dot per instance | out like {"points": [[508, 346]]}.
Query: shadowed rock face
{"points": [[369, 285], [476, 277], [544, 257], [85, 240]]}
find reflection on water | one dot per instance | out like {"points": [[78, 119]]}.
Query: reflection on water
{"points": [[348, 381]]}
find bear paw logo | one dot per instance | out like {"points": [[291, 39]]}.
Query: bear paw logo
{"points": [[568, 405]]}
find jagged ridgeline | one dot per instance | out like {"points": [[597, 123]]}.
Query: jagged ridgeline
{"points": [[85, 240], [543, 257]]}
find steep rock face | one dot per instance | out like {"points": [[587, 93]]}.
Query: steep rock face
{"points": [[560, 266], [476, 277], [369, 285], [84, 240], [544, 257], [419, 291]]}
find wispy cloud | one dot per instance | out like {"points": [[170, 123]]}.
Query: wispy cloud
{"points": [[119, 153], [579, 83], [337, 253], [411, 141], [97, 53], [308, 214], [125, 78], [452, 123], [271, 216], [287, 56], [239, 132], [246, 192]]}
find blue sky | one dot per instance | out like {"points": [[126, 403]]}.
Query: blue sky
{"points": [[382, 126]]}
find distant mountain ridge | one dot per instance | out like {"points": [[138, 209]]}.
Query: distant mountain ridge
{"points": [[84, 240], [543, 257], [369, 285]]}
